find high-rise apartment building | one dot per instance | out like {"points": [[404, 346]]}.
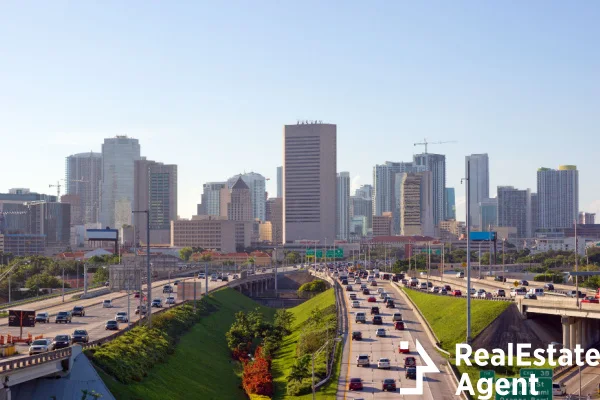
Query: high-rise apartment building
{"points": [[343, 206], [535, 214], [384, 185], [479, 185], [256, 184], [514, 209], [309, 182], [280, 182], [450, 204], [211, 199], [116, 196], [155, 189], [382, 224], [362, 207], [587, 218], [275, 216], [15, 215], [488, 214], [74, 200], [364, 192], [416, 203], [239, 207], [436, 163], [558, 196], [52, 220], [83, 174]]}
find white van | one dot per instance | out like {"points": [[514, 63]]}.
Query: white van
{"points": [[460, 274], [537, 291]]}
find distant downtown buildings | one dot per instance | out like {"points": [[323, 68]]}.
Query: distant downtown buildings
{"points": [[343, 206]]}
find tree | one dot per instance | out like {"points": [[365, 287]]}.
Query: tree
{"points": [[185, 253], [101, 275], [284, 320], [300, 369], [240, 333], [206, 257], [43, 280], [293, 257]]}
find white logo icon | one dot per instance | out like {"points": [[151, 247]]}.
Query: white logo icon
{"points": [[421, 369]]}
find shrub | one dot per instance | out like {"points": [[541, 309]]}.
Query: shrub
{"points": [[295, 388], [554, 278], [257, 378]]}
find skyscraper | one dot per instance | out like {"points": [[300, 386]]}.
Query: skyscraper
{"points": [[343, 206], [364, 192], [488, 214], [479, 184], [274, 215], [280, 182], [385, 190], [436, 163], [256, 184], [450, 204], [514, 209], [211, 198], [416, 203], [116, 196], [155, 190], [83, 174], [239, 207], [558, 196], [309, 182]]}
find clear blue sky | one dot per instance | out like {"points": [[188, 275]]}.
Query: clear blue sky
{"points": [[209, 85]]}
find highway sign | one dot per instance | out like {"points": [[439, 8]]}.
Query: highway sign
{"points": [[330, 253], [21, 318], [538, 372], [543, 387], [464, 264], [487, 373], [516, 283]]}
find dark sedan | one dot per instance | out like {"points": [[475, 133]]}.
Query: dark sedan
{"points": [[355, 384], [389, 385], [112, 325], [61, 341], [80, 336]]}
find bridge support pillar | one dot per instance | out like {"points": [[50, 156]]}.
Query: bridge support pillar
{"points": [[573, 335], [567, 326]]}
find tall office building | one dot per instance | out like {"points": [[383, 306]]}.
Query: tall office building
{"points": [[239, 207], [364, 192], [558, 196], [274, 215], [116, 196], [450, 204], [83, 174], [436, 163], [488, 214], [15, 215], [514, 209], [384, 183], [361, 207], [211, 199], [309, 182], [155, 189], [343, 206], [280, 182], [52, 220], [535, 214], [256, 184], [479, 185], [416, 203], [586, 218]]}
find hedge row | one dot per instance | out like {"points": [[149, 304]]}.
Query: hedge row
{"points": [[129, 357]]}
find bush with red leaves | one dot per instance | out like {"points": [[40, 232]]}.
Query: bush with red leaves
{"points": [[257, 378]]}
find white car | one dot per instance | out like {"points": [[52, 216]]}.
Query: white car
{"points": [[380, 290], [384, 363], [170, 300], [480, 293], [213, 278], [356, 304], [363, 286], [107, 303], [121, 317], [518, 292], [435, 289], [380, 332], [40, 346], [201, 275], [559, 389]]}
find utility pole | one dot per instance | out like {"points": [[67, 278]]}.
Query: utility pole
{"points": [[63, 284], [577, 276], [469, 339]]}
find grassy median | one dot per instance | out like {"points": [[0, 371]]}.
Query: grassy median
{"points": [[201, 367]]}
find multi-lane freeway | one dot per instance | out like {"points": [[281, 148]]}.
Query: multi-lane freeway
{"points": [[439, 386]]}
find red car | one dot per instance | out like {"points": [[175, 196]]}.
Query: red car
{"points": [[591, 299], [457, 293], [410, 362], [137, 295], [373, 283], [401, 350], [389, 385], [399, 325], [372, 299], [355, 384]]}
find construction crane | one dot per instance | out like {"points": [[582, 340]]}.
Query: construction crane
{"points": [[57, 186], [425, 143]]}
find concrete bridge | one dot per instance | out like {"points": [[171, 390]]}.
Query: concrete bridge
{"points": [[254, 284]]}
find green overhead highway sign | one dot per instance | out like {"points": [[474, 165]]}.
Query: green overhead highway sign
{"points": [[543, 387], [487, 373], [538, 372], [330, 253]]}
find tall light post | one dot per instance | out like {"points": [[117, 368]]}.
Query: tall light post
{"points": [[503, 253], [63, 283], [313, 364], [577, 282], [468, 223], [479, 260], [149, 276]]}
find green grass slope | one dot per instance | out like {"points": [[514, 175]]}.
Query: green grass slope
{"points": [[286, 355], [201, 367], [448, 318]]}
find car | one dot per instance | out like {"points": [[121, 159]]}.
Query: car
{"points": [[549, 286], [357, 281], [357, 335], [460, 274], [201, 275], [136, 295], [177, 282], [157, 303], [40, 346], [574, 293], [377, 320], [224, 278], [473, 291], [366, 291], [423, 286], [518, 292], [352, 296], [107, 303], [388, 385], [235, 276], [499, 278], [141, 309], [349, 288], [80, 336], [410, 362], [435, 289], [79, 311], [382, 295], [405, 282], [399, 325], [390, 304], [344, 281], [443, 291], [559, 389], [480, 293], [42, 317], [167, 289], [374, 310], [372, 299], [500, 293], [447, 287], [456, 292], [356, 304], [380, 332], [61, 342], [590, 299], [111, 325], [361, 317], [355, 384], [121, 317], [384, 363], [170, 300], [373, 283], [411, 373], [523, 283], [530, 296], [213, 278], [63, 317], [397, 317], [404, 351], [362, 360]]}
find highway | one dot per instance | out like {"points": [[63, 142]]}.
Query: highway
{"points": [[436, 386]]}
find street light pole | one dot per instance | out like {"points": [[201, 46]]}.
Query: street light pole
{"points": [[63, 284], [468, 186], [149, 276], [577, 279]]}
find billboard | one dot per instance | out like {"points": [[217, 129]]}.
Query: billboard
{"points": [[20, 318], [102, 234], [483, 236]]}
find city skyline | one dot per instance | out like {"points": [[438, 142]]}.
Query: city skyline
{"points": [[487, 97]]}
